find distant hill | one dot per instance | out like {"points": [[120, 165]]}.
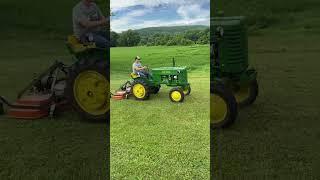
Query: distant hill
{"points": [[289, 14], [169, 30]]}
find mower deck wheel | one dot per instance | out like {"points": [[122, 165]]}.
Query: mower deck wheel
{"points": [[176, 94]]}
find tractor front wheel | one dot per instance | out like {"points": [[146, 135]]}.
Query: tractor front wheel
{"points": [[176, 95], [223, 106], [140, 90], [246, 94], [187, 90], [88, 89]]}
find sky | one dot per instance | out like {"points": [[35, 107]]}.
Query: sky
{"points": [[137, 14]]}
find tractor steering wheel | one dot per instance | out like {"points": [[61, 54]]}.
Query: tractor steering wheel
{"points": [[146, 68]]}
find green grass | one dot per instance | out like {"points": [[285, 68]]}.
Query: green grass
{"points": [[63, 148], [277, 136], [157, 138]]}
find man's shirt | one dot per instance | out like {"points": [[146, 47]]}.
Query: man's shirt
{"points": [[134, 66], [83, 12]]}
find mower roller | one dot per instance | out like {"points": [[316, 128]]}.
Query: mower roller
{"points": [[84, 86], [233, 83], [142, 86]]}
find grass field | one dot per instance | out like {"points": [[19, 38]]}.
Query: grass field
{"points": [[64, 148], [277, 137], [157, 138]]}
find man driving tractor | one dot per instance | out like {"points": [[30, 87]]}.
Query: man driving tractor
{"points": [[138, 69], [89, 23]]}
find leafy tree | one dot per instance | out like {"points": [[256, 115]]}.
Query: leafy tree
{"points": [[129, 38], [161, 38], [114, 39]]}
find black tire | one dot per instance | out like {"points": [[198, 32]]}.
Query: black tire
{"points": [[176, 90], [155, 89], [187, 90], [252, 90], [1, 109], [224, 93], [85, 65], [146, 87]]}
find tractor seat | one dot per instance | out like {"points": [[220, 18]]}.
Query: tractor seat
{"points": [[134, 75], [76, 46]]}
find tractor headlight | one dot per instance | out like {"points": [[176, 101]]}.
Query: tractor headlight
{"points": [[175, 77]]}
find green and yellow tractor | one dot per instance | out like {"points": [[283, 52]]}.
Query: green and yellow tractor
{"points": [[233, 83], [142, 86]]}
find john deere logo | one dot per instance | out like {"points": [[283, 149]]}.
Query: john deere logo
{"points": [[165, 72]]}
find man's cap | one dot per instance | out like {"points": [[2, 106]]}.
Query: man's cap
{"points": [[138, 58]]}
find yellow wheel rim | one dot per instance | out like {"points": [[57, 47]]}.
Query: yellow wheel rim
{"points": [[139, 91], [219, 109], [91, 91], [176, 96], [242, 94]]}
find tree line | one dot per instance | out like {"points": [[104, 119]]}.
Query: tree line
{"points": [[134, 38]]}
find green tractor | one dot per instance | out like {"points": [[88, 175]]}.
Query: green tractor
{"points": [[176, 77], [233, 83]]}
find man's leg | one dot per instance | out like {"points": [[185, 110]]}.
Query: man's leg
{"points": [[99, 38], [141, 74]]}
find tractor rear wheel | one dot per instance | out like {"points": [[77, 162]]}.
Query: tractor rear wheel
{"points": [[88, 89], [247, 94], [140, 90], [176, 94], [223, 106]]}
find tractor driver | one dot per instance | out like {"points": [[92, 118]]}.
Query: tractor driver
{"points": [[89, 24], [138, 69]]}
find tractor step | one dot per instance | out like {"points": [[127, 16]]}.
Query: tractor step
{"points": [[31, 107]]}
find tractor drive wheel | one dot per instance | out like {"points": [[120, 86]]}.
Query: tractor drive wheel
{"points": [[187, 90], [176, 94], [88, 89], [246, 95], [140, 90], [155, 89], [223, 107]]}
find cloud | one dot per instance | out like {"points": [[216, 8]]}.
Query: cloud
{"points": [[121, 4], [124, 24], [137, 14], [192, 11]]}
